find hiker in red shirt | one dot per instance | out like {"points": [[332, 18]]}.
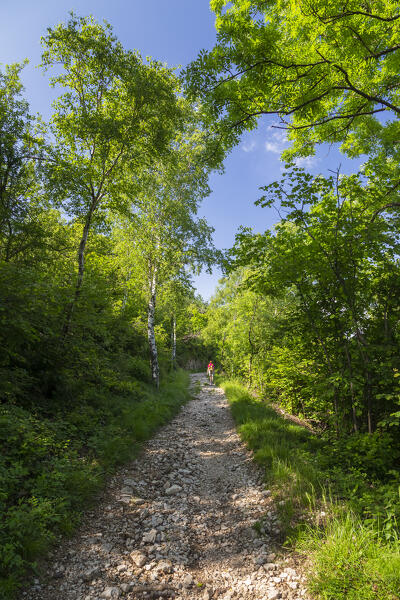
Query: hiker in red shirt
{"points": [[210, 371]]}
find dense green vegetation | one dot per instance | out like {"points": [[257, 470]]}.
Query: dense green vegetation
{"points": [[99, 236], [331, 504], [98, 240], [326, 68], [308, 315], [52, 464]]}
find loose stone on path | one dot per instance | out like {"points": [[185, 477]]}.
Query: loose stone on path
{"points": [[178, 522]]}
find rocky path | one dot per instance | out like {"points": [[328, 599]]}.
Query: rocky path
{"points": [[178, 522]]}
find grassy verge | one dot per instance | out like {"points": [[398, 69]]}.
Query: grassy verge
{"points": [[341, 517], [52, 467]]}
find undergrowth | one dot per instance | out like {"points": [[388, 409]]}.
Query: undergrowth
{"points": [[51, 467], [339, 500]]}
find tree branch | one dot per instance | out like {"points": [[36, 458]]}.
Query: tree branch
{"points": [[379, 210]]}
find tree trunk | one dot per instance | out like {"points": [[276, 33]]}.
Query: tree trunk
{"points": [[252, 351], [8, 246], [369, 404], [81, 270], [367, 377], [125, 297], [173, 342], [151, 309], [325, 351], [353, 402], [385, 320], [336, 409]]}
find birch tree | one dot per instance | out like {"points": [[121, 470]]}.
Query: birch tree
{"points": [[163, 234], [115, 113], [176, 297], [164, 238]]}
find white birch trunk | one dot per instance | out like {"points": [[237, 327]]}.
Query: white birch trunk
{"points": [[173, 342], [151, 309]]}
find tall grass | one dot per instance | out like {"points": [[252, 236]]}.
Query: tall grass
{"points": [[346, 554], [285, 449], [349, 560]]}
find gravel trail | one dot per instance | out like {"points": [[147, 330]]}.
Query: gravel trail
{"points": [[178, 522]]}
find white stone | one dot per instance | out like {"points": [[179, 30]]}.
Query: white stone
{"points": [[121, 568], [187, 580], [138, 558], [91, 573], [150, 536], [136, 501], [129, 481], [273, 594], [174, 489], [165, 566], [110, 592]]}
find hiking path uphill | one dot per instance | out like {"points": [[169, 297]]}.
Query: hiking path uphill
{"points": [[178, 522]]}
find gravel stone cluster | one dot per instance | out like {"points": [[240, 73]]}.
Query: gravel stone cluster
{"points": [[178, 522]]}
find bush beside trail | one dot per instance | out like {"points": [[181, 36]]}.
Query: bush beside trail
{"points": [[52, 465], [339, 500]]}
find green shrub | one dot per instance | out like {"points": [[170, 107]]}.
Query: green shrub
{"points": [[354, 548], [139, 368], [50, 468], [375, 454]]}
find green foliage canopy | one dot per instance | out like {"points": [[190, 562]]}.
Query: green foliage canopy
{"points": [[327, 69], [116, 112]]}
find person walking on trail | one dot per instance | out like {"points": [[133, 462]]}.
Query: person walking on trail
{"points": [[210, 372]]}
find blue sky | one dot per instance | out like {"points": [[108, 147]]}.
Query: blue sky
{"points": [[173, 31]]}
